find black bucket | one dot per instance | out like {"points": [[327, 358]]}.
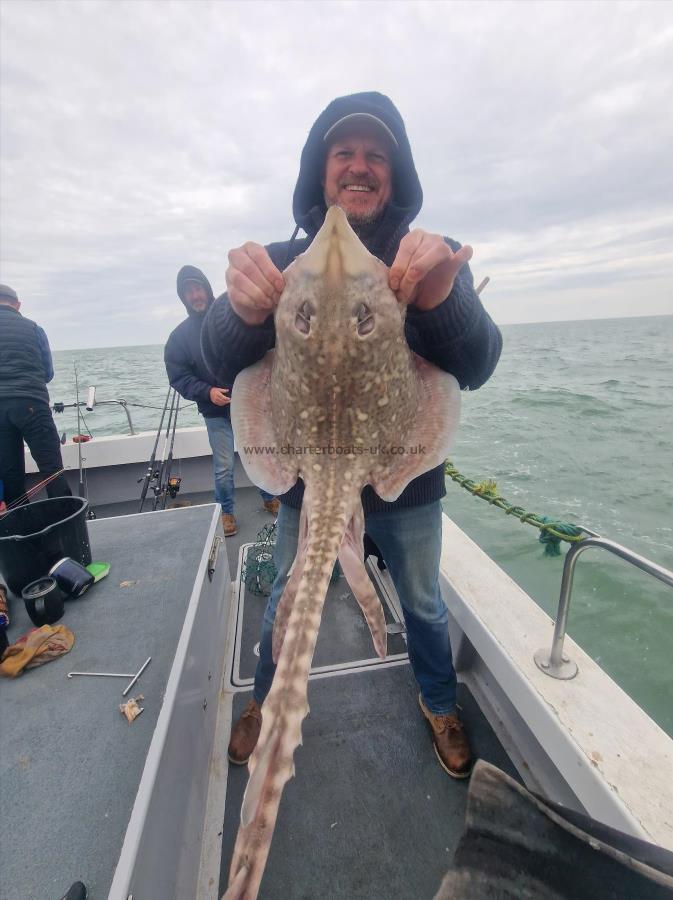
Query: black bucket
{"points": [[34, 537]]}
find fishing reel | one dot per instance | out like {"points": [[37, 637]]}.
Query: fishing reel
{"points": [[174, 485], [150, 476]]}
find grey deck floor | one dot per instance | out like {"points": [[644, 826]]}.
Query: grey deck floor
{"points": [[70, 763], [344, 637], [250, 515], [370, 813]]}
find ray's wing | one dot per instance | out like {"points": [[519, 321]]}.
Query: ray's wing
{"points": [[255, 438], [430, 435]]}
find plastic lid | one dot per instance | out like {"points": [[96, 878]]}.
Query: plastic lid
{"points": [[38, 588], [57, 564]]}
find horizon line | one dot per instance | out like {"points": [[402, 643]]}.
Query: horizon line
{"points": [[502, 325]]}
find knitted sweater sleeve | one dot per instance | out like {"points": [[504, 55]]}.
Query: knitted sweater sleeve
{"points": [[458, 336], [229, 345]]}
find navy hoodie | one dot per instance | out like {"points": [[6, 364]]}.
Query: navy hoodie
{"points": [[458, 336], [185, 367]]}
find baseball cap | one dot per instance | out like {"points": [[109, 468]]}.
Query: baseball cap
{"points": [[362, 117]]}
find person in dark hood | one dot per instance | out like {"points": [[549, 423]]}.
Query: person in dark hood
{"points": [[26, 368], [191, 378], [357, 155]]}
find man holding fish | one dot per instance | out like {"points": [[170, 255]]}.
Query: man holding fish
{"points": [[357, 156]]}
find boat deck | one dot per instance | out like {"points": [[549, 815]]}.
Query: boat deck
{"points": [[370, 813], [250, 515], [70, 764]]}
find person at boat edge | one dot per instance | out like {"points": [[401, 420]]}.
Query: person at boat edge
{"points": [[357, 154], [190, 377], [26, 368]]}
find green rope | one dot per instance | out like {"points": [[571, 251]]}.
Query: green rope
{"points": [[552, 531], [259, 571]]}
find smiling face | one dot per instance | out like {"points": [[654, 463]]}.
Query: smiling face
{"points": [[358, 173]]}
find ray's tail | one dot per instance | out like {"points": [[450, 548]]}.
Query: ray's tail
{"points": [[286, 705]]}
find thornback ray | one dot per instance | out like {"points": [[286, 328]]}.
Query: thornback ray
{"points": [[341, 402]]}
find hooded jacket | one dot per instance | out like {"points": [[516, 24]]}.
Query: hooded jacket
{"points": [[458, 336], [185, 367]]}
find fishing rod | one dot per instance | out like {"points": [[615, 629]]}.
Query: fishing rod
{"points": [[171, 484], [162, 465], [482, 285], [165, 479], [150, 466], [159, 473], [82, 492], [83, 481], [32, 491]]}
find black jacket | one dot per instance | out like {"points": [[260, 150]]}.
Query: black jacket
{"points": [[185, 367], [22, 363], [458, 336]]}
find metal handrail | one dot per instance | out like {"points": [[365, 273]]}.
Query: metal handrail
{"points": [[121, 402], [59, 407], [554, 663]]}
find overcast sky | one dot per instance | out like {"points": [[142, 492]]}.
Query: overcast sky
{"points": [[139, 136]]}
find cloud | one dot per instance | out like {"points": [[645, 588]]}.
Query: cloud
{"points": [[138, 137]]}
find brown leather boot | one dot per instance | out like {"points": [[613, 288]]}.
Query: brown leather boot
{"points": [[245, 734], [272, 506], [229, 524], [450, 742]]}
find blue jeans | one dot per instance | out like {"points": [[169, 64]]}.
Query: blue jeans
{"points": [[410, 541], [221, 437]]}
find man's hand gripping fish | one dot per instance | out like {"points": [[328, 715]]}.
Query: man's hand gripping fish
{"points": [[341, 403]]}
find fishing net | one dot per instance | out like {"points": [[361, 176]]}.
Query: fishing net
{"points": [[259, 571]]}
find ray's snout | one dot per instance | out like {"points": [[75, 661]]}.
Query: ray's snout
{"points": [[336, 249]]}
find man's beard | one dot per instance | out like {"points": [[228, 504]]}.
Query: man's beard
{"points": [[364, 224]]}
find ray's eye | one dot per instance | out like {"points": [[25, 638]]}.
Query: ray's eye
{"points": [[365, 320], [303, 318]]}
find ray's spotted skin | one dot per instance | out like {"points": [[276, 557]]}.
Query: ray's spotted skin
{"points": [[341, 402]]}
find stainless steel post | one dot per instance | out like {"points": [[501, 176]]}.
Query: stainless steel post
{"points": [[554, 663], [128, 414]]}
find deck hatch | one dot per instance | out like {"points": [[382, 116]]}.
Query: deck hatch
{"points": [[344, 641]]}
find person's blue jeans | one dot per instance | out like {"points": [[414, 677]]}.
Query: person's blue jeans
{"points": [[221, 438], [410, 541]]}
